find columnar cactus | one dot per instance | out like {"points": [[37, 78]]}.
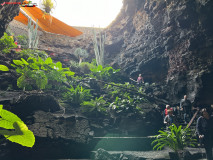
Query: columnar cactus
{"points": [[32, 34], [99, 48]]}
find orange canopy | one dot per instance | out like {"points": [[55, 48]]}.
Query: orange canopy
{"points": [[46, 22]]}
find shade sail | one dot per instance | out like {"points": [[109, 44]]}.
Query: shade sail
{"points": [[46, 22]]}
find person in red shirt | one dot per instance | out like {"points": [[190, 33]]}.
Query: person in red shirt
{"points": [[140, 79], [165, 113]]}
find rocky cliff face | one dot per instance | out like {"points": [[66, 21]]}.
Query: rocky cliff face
{"points": [[7, 13], [169, 42]]}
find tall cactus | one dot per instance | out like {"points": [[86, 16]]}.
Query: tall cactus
{"points": [[32, 34], [99, 48]]}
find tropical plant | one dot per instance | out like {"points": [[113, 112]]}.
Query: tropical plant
{"points": [[114, 89], [23, 41], [32, 34], [99, 47], [85, 67], [40, 74], [126, 104], [47, 5], [81, 54], [95, 106], [14, 129], [77, 95], [176, 138], [6, 43], [26, 53], [104, 73]]}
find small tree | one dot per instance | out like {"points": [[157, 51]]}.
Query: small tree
{"points": [[81, 54]]}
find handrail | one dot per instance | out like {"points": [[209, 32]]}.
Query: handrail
{"points": [[189, 124]]}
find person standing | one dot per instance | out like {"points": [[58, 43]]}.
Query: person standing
{"points": [[204, 129], [170, 118], [165, 112], [186, 107], [140, 79]]}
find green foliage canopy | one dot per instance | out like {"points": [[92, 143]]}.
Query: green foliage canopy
{"points": [[40, 74]]}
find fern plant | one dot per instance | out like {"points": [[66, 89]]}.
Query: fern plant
{"points": [[77, 95], [176, 138], [95, 106]]}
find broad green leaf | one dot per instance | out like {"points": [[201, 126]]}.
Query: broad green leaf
{"points": [[69, 73], [18, 62], [1, 107], [3, 68], [21, 135], [48, 60], [9, 116], [6, 124], [58, 66], [25, 62]]}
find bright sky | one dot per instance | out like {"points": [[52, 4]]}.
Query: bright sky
{"points": [[89, 13]]}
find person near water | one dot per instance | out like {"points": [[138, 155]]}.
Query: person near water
{"points": [[186, 107], [204, 129]]}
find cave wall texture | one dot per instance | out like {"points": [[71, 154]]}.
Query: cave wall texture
{"points": [[170, 42], [7, 13]]}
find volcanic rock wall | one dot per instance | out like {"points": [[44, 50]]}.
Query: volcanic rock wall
{"points": [[7, 13], [170, 42]]}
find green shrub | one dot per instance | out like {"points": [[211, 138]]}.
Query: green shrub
{"points": [[23, 41], [85, 67], [6, 43], [14, 129], [175, 138], [106, 74], [96, 107], [126, 104], [26, 53], [115, 89], [40, 74], [77, 95]]}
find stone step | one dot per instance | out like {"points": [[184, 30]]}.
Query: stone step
{"points": [[196, 154], [123, 143]]}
